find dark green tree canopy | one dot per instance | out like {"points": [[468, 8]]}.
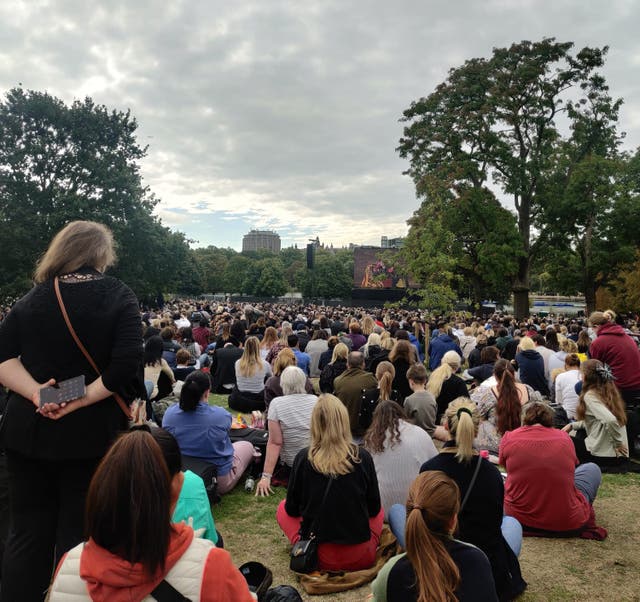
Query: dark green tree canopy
{"points": [[495, 122]]}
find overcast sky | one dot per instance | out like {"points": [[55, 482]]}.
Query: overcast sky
{"points": [[284, 115]]}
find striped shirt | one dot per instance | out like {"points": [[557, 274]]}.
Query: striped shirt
{"points": [[294, 414]]}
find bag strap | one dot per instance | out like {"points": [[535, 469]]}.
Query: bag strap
{"points": [[56, 285], [316, 520], [473, 482], [165, 592]]}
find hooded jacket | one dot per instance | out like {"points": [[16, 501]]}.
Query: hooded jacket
{"points": [[615, 347], [531, 366], [105, 577]]}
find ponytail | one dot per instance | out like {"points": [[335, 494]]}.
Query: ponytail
{"points": [[463, 420], [508, 406], [385, 382], [432, 503], [193, 389]]}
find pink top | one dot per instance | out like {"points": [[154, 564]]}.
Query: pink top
{"points": [[540, 490]]}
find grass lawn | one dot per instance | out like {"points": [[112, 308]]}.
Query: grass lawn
{"points": [[555, 569]]}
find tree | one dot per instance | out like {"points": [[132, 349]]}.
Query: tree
{"points": [[331, 276], [60, 163], [496, 120], [590, 209]]}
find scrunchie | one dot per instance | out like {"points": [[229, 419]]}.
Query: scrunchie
{"points": [[605, 374], [463, 411]]}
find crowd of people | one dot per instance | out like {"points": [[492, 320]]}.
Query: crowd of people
{"points": [[374, 416]]}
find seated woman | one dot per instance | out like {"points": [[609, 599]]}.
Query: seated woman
{"points": [[565, 385], [385, 374], [481, 521], [193, 506], [154, 366], [129, 553], [251, 373], [348, 524], [398, 449], [500, 407], [202, 431], [445, 385], [488, 357], [531, 369], [402, 356], [435, 566], [544, 490], [289, 420], [601, 434], [269, 339], [335, 368], [272, 388], [314, 349]]}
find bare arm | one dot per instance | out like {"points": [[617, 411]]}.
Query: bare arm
{"points": [[273, 453]]}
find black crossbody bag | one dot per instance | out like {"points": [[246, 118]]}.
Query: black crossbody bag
{"points": [[304, 553]]}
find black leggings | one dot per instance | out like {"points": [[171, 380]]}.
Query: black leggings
{"points": [[47, 502]]}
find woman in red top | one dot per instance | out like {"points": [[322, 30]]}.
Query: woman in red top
{"points": [[544, 490]]}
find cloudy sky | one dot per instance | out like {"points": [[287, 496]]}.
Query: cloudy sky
{"points": [[284, 115]]}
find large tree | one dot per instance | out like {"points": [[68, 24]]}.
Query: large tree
{"points": [[497, 119], [60, 163]]}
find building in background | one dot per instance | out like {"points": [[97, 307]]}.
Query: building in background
{"points": [[256, 240], [391, 243]]}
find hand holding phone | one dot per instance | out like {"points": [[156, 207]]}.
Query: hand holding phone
{"points": [[66, 390]]}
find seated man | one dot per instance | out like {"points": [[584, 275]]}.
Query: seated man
{"points": [[348, 388]]}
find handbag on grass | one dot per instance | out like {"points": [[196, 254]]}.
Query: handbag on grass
{"points": [[304, 553], [123, 406]]}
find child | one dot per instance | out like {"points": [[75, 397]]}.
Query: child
{"points": [[421, 405]]}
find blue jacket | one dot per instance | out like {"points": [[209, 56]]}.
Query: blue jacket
{"points": [[438, 347]]}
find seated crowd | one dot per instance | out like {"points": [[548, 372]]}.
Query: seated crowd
{"points": [[376, 417]]}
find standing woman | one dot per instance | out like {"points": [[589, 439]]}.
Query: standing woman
{"points": [[52, 453]]}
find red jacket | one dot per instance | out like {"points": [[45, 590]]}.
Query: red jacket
{"points": [[616, 348]]}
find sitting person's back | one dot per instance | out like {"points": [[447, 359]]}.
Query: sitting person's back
{"points": [[202, 431], [435, 566], [129, 553]]}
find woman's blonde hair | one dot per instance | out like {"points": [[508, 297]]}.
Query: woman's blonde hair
{"points": [[526, 344], [463, 422], [79, 244], [385, 373], [432, 504], [270, 338], [340, 352], [386, 341], [331, 449], [450, 364], [374, 339], [250, 362], [285, 358], [367, 325]]}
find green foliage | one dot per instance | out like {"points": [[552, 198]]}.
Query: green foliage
{"points": [[60, 163], [331, 277], [493, 122]]}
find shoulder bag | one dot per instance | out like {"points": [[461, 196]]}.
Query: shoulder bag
{"points": [[123, 406], [304, 553]]}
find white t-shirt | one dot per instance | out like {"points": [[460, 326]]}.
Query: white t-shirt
{"points": [[293, 412], [255, 383], [566, 394]]}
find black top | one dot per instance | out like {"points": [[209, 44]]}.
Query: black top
{"points": [[482, 372], [223, 367], [400, 381], [352, 500], [480, 521], [452, 388], [104, 313], [476, 583]]}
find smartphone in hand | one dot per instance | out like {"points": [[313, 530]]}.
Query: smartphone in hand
{"points": [[66, 390]]}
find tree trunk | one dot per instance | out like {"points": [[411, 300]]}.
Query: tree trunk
{"points": [[590, 297], [521, 290]]}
